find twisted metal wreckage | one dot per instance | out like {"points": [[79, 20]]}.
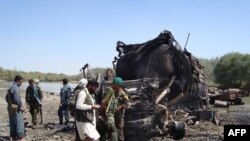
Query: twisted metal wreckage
{"points": [[159, 77]]}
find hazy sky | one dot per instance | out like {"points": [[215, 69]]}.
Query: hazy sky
{"points": [[60, 36]]}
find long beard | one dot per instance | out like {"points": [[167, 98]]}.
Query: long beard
{"points": [[91, 91]]}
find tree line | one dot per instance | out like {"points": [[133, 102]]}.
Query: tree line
{"points": [[9, 75], [232, 70]]}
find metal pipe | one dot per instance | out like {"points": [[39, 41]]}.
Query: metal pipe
{"points": [[219, 103], [165, 91]]}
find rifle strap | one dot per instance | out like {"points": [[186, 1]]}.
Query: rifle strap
{"points": [[111, 98]]}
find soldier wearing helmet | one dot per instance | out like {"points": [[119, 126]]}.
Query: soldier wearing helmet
{"points": [[113, 107]]}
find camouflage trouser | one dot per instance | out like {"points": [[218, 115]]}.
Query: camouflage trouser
{"points": [[109, 129], [119, 123], [34, 111]]}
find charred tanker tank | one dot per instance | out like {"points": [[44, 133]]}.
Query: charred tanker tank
{"points": [[159, 76]]}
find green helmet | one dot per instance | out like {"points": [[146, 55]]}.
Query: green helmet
{"points": [[118, 81]]}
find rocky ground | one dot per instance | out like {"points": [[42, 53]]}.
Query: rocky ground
{"points": [[51, 131]]}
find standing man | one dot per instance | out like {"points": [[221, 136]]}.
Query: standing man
{"points": [[36, 81], [27, 97], [113, 105], [15, 110], [64, 102], [85, 113], [92, 86], [109, 76], [123, 103], [34, 100]]}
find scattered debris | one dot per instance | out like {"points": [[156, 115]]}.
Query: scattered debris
{"points": [[166, 80], [230, 96], [219, 103]]}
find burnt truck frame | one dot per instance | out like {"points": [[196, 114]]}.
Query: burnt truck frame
{"points": [[146, 118], [155, 93]]}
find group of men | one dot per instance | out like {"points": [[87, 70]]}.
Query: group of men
{"points": [[16, 108], [103, 120]]}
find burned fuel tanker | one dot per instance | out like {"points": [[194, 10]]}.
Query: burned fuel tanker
{"points": [[159, 76]]}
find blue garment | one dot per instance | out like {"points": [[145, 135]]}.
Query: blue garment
{"points": [[16, 125], [65, 100], [16, 118], [14, 91], [65, 95], [63, 112]]}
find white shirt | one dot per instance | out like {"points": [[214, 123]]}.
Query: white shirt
{"points": [[86, 127], [80, 103]]}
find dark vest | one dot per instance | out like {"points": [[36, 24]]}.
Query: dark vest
{"points": [[85, 115]]}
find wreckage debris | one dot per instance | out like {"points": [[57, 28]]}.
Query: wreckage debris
{"points": [[219, 103], [54, 126], [223, 98], [160, 76]]}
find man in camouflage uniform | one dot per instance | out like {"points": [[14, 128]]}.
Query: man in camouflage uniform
{"points": [[36, 82], [64, 102], [34, 100], [113, 107]]}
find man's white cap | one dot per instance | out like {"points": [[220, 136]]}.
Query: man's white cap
{"points": [[36, 80], [83, 82]]}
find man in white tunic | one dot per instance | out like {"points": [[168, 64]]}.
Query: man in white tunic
{"points": [[85, 114]]}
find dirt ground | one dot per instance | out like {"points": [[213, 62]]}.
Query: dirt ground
{"points": [[51, 131], [48, 131]]}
